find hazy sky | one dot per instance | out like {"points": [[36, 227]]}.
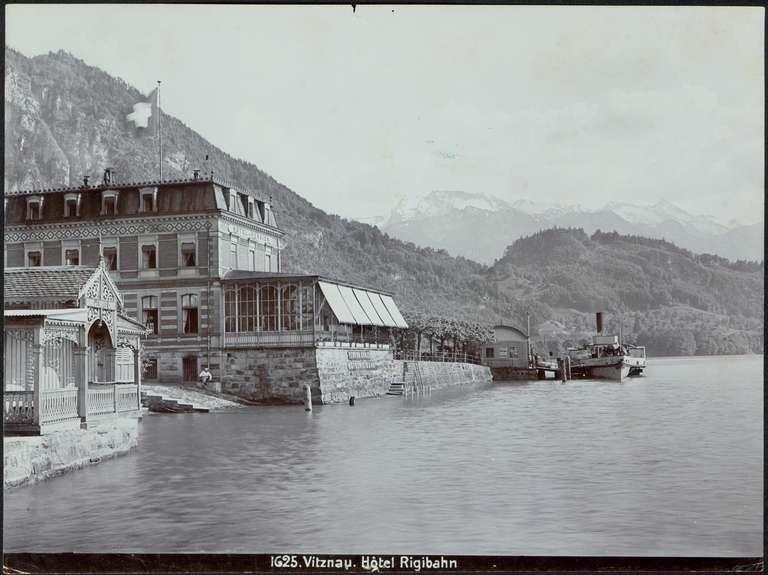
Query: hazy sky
{"points": [[354, 110]]}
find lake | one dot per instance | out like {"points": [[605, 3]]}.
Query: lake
{"points": [[666, 464]]}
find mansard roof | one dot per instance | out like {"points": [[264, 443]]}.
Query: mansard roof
{"points": [[45, 287], [118, 185]]}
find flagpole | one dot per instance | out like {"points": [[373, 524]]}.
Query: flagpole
{"points": [[159, 133]]}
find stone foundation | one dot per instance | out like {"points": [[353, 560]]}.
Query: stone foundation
{"points": [[344, 372], [275, 374], [440, 375], [333, 373], [31, 459]]}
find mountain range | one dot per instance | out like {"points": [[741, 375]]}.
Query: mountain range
{"points": [[65, 119], [453, 220]]}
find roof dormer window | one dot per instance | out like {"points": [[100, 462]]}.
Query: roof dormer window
{"points": [[148, 200], [109, 203], [35, 208], [71, 205]]}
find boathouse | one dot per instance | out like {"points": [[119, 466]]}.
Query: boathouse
{"points": [[71, 354], [509, 348]]}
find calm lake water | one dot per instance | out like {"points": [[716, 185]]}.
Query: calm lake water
{"points": [[667, 464]]}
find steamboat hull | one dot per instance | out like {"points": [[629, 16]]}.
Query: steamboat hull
{"points": [[614, 369]]}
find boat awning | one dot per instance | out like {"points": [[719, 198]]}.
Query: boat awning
{"points": [[359, 306]]}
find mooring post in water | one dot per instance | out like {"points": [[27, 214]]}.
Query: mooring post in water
{"points": [[307, 398], [352, 400], [568, 367]]}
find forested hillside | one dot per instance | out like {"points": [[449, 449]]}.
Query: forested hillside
{"points": [[667, 298], [65, 119]]}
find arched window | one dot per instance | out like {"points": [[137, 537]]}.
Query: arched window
{"points": [[189, 313], [246, 309], [289, 308], [268, 309], [149, 312]]}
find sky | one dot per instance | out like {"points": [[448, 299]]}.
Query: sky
{"points": [[357, 109]]}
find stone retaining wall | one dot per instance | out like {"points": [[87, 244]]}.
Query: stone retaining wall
{"points": [[344, 372], [439, 375], [334, 374], [31, 459], [277, 374]]}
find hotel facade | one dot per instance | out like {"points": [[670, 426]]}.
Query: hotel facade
{"points": [[199, 263]]}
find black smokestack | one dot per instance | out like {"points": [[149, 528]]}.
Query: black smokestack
{"points": [[599, 320]]}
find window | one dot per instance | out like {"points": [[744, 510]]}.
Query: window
{"points": [[34, 259], [230, 311], [35, 208], [109, 203], [268, 262], [72, 257], [188, 252], [268, 310], [110, 257], [252, 259], [148, 200], [150, 368], [189, 313], [233, 256], [289, 307], [247, 319], [489, 352], [250, 208], [71, 205], [244, 201], [149, 312], [514, 352], [148, 257]]}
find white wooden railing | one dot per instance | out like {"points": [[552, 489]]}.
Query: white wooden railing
{"points": [[18, 407], [58, 405], [126, 397], [101, 398], [62, 405]]}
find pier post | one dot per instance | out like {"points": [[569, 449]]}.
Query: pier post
{"points": [[307, 397]]}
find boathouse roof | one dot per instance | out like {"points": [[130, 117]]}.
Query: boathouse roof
{"points": [[49, 286], [501, 327]]}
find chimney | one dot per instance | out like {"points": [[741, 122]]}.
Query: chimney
{"points": [[107, 175], [599, 320], [85, 181], [195, 174]]}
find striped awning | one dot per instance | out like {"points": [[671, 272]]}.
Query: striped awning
{"points": [[360, 306]]}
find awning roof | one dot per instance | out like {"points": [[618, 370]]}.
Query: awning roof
{"points": [[359, 306], [334, 299], [393, 311], [367, 305]]}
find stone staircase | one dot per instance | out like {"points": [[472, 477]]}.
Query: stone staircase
{"points": [[159, 404], [411, 382], [396, 388]]}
